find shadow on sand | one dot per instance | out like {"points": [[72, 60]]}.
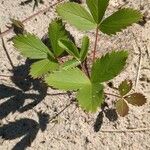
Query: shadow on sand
{"points": [[15, 98]]}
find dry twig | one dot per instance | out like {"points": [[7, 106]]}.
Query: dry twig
{"points": [[148, 52], [29, 18], [7, 54], [127, 130], [61, 111], [140, 63]]}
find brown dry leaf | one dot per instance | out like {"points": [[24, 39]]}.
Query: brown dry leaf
{"points": [[136, 99], [122, 107]]}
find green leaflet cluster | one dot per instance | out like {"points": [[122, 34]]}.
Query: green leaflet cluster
{"points": [[70, 75], [32, 47], [90, 91], [85, 20]]}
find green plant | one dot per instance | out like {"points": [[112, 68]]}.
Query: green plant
{"points": [[74, 74]]}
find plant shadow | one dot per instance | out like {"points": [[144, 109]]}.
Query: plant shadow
{"points": [[13, 99], [17, 96], [76, 1], [25, 128], [109, 113]]}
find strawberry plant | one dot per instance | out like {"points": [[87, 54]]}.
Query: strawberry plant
{"points": [[73, 74]]}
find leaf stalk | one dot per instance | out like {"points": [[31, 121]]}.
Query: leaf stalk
{"points": [[95, 45], [113, 95]]}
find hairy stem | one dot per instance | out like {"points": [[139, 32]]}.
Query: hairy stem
{"points": [[95, 45]]}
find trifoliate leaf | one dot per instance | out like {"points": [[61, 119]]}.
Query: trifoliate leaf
{"points": [[108, 66], [32, 47], [71, 79], [70, 47], [76, 15], [70, 64], [125, 87], [136, 99], [97, 8], [120, 20], [42, 67], [90, 97], [122, 107], [56, 31], [84, 48]]}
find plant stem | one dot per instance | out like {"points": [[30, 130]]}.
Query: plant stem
{"points": [[95, 45], [86, 67], [112, 95]]}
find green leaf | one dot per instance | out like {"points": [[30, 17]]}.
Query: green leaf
{"points": [[84, 48], [125, 87], [108, 66], [56, 31], [42, 67], [70, 47], [76, 15], [122, 107], [120, 20], [136, 99], [70, 64], [90, 97], [97, 8], [71, 79], [32, 47]]}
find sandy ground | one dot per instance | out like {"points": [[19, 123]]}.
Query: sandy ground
{"points": [[27, 113]]}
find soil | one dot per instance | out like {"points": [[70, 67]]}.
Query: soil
{"points": [[33, 120]]}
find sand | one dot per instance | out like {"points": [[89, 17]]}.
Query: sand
{"points": [[28, 116]]}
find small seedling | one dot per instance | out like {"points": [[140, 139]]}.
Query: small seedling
{"points": [[73, 74]]}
